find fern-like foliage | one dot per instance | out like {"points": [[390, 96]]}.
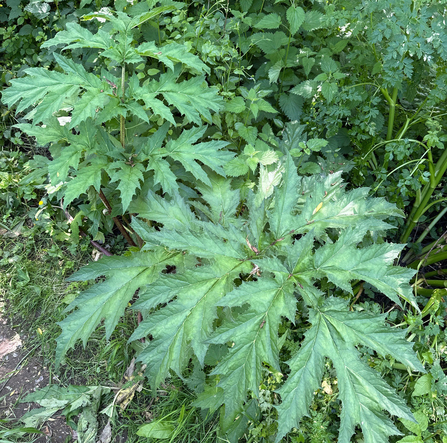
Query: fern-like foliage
{"points": [[241, 271]]}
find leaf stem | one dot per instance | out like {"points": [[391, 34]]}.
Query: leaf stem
{"points": [[122, 119], [116, 220]]}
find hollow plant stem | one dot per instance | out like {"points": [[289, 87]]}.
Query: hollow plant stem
{"points": [[427, 192], [84, 234], [437, 283], [429, 260], [122, 119], [391, 116], [116, 220]]}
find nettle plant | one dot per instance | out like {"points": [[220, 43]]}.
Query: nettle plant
{"points": [[217, 280], [114, 130]]}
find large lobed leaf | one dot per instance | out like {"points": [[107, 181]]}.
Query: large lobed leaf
{"points": [[242, 276], [107, 300], [334, 334]]}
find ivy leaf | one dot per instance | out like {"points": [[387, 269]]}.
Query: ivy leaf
{"points": [[108, 299]]}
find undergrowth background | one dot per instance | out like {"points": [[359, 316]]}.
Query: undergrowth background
{"points": [[354, 87]]}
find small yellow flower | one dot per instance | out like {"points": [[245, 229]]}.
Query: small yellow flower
{"points": [[39, 331], [40, 203], [37, 219]]}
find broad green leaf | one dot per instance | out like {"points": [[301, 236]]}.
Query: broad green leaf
{"points": [[281, 219], [328, 64], [52, 132], [76, 36], [203, 243], [235, 105], [183, 325], [308, 64], [145, 16], [313, 20], [107, 300], [423, 385], [268, 179], [236, 167], [275, 70], [295, 17], [337, 208], [305, 89], [329, 91], [158, 429], [221, 199], [171, 54], [291, 105], [163, 175], [306, 372], [208, 153], [29, 90], [41, 85], [90, 103], [68, 158], [129, 177], [343, 261], [192, 98], [270, 21], [248, 133], [269, 42], [174, 214], [364, 394], [86, 176], [255, 337]]}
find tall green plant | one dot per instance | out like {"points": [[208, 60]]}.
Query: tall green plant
{"points": [[110, 132], [217, 282]]}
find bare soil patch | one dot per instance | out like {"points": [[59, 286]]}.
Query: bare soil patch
{"points": [[20, 375]]}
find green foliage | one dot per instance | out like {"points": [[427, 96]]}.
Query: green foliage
{"points": [[70, 107], [145, 111], [236, 283]]}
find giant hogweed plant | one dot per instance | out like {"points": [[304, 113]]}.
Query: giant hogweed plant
{"points": [[122, 129], [243, 270]]}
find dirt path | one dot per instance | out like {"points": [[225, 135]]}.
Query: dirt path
{"points": [[19, 376]]}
